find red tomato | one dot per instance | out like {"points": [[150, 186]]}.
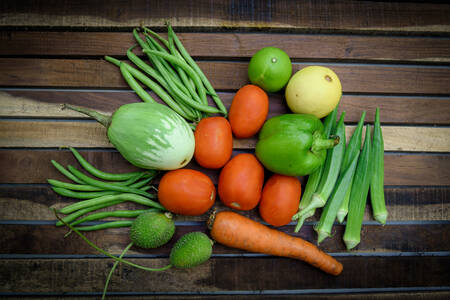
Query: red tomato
{"points": [[186, 192], [213, 142], [241, 182], [280, 199], [248, 111]]}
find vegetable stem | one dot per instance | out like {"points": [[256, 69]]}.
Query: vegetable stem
{"points": [[105, 120]]}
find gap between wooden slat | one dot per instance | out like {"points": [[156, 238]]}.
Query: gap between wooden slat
{"points": [[16, 133]]}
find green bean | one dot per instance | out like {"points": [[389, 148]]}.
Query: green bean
{"points": [[76, 214], [66, 173], [135, 85], [188, 69], [107, 225], [82, 195], [180, 108], [103, 175], [197, 69], [107, 185], [151, 32], [157, 61], [116, 214], [75, 187], [141, 183], [110, 198]]}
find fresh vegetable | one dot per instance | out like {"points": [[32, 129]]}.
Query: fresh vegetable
{"points": [[236, 231], [148, 135], [213, 142], [313, 90], [331, 169], [353, 148], [329, 213], [314, 179], [280, 199], [152, 229], [358, 194], [186, 192], [191, 250], [377, 183], [241, 181], [270, 68], [293, 144], [248, 111]]}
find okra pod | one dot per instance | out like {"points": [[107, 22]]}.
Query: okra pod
{"points": [[329, 213], [353, 147], [358, 195], [377, 183], [314, 179], [331, 169]]}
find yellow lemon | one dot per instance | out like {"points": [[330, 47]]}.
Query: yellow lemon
{"points": [[313, 90]]}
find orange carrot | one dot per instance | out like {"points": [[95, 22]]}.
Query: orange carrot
{"points": [[236, 231]]}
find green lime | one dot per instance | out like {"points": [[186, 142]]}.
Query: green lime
{"points": [[270, 68]]}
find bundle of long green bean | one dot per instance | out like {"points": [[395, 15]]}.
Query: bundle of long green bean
{"points": [[344, 188], [103, 191], [172, 75]]}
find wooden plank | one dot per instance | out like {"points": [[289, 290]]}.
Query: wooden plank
{"points": [[48, 239], [220, 274], [18, 202], [314, 295], [394, 110], [355, 78], [310, 15], [25, 166], [18, 133], [230, 45]]}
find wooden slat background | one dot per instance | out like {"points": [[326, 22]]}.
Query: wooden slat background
{"points": [[391, 55]]}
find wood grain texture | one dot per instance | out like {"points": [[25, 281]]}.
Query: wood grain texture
{"points": [[25, 166], [219, 274], [18, 202], [231, 45], [97, 73], [394, 110], [47, 239], [39, 134], [314, 295], [263, 14]]}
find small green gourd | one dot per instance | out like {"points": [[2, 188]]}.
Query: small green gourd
{"points": [[152, 229], [191, 250]]}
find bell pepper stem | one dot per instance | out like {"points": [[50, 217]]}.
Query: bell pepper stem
{"points": [[319, 143]]}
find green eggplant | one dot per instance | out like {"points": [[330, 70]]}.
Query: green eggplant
{"points": [[293, 144]]}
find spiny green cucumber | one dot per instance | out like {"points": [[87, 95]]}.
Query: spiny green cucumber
{"points": [[191, 250], [152, 229]]}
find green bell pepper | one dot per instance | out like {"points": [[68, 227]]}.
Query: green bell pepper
{"points": [[293, 144]]}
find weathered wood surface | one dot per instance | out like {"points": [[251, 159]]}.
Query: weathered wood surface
{"points": [[362, 16], [26, 166], [219, 274], [224, 75], [391, 55], [232, 45], [420, 110]]}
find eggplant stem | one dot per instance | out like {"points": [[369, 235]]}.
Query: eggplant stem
{"points": [[105, 120]]}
